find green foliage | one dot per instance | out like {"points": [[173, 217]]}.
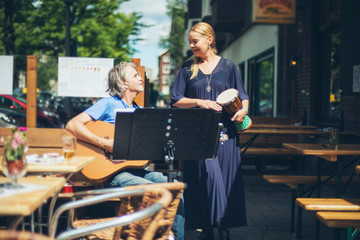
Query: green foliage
{"points": [[38, 27], [175, 41], [2, 19], [47, 68], [266, 80], [98, 28]]}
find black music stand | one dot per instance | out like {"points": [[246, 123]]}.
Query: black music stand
{"points": [[167, 134]]}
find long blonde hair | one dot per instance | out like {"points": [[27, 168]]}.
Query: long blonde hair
{"points": [[206, 30]]}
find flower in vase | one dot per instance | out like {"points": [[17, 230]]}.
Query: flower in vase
{"points": [[16, 145]]}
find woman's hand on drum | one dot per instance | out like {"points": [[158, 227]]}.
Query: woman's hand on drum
{"points": [[208, 104], [239, 115]]}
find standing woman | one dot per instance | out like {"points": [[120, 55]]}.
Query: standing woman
{"points": [[215, 192]]}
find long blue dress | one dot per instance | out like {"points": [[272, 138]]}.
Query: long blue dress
{"points": [[215, 188]]}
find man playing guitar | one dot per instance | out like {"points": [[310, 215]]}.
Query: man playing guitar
{"points": [[124, 83]]}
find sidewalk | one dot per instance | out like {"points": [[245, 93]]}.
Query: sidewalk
{"points": [[268, 214]]}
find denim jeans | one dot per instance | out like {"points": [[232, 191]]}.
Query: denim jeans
{"points": [[141, 176]]}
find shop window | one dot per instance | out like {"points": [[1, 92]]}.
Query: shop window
{"points": [[165, 79], [331, 94], [261, 85], [242, 71], [166, 69]]}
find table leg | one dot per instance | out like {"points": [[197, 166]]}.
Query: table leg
{"points": [[318, 194], [15, 223], [40, 215], [299, 214], [248, 143], [338, 178], [317, 229], [52, 204]]}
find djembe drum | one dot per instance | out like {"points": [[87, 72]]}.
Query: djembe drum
{"points": [[231, 102]]}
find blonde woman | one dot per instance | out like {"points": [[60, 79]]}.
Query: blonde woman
{"points": [[215, 193]]}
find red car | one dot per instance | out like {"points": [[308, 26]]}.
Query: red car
{"points": [[45, 117]]}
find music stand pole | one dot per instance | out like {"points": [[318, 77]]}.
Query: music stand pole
{"points": [[169, 160]]}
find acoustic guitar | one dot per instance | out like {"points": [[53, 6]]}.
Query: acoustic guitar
{"points": [[103, 167]]}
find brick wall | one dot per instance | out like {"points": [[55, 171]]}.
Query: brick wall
{"points": [[286, 74], [303, 91]]}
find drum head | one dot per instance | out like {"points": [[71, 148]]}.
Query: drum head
{"points": [[227, 96]]}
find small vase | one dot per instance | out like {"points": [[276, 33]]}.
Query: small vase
{"points": [[15, 169]]}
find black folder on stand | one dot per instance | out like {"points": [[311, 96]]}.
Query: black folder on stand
{"points": [[148, 133]]}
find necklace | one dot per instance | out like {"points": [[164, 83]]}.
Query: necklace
{"points": [[208, 88], [208, 80]]}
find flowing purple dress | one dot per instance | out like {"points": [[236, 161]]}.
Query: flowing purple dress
{"points": [[215, 188]]}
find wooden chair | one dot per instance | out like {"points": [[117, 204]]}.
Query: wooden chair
{"points": [[131, 204], [21, 235]]}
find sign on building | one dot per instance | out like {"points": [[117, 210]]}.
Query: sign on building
{"points": [[274, 11], [6, 74], [83, 77]]}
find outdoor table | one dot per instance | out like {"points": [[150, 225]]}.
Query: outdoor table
{"points": [[64, 168], [25, 203], [256, 132], [283, 126], [282, 131], [322, 151]]}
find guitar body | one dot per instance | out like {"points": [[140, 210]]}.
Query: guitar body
{"points": [[102, 168]]}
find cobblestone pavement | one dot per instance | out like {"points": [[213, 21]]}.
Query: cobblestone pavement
{"points": [[268, 214]]}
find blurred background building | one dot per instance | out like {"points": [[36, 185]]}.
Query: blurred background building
{"points": [[298, 59], [164, 72]]}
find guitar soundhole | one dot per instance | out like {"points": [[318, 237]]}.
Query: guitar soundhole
{"points": [[108, 154]]}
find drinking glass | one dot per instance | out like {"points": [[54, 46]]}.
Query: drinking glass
{"points": [[14, 169], [334, 138], [69, 147]]}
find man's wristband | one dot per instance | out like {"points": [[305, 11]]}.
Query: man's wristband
{"points": [[247, 111]]}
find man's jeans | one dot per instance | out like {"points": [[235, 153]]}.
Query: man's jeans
{"points": [[140, 176]]}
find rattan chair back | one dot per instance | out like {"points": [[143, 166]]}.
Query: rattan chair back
{"points": [[21, 235]]}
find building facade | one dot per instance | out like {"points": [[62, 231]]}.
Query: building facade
{"points": [[308, 69], [164, 72]]}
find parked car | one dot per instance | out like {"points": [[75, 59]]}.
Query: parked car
{"points": [[49, 99], [15, 116], [46, 117], [7, 121]]}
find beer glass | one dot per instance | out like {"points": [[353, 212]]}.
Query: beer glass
{"points": [[69, 147]]}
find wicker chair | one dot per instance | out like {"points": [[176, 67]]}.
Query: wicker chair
{"points": [[131, 204], [143, 222], [21, 235], [175, 188]]}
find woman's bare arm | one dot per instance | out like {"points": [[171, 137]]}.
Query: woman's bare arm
{"points": [[194, 102]]}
